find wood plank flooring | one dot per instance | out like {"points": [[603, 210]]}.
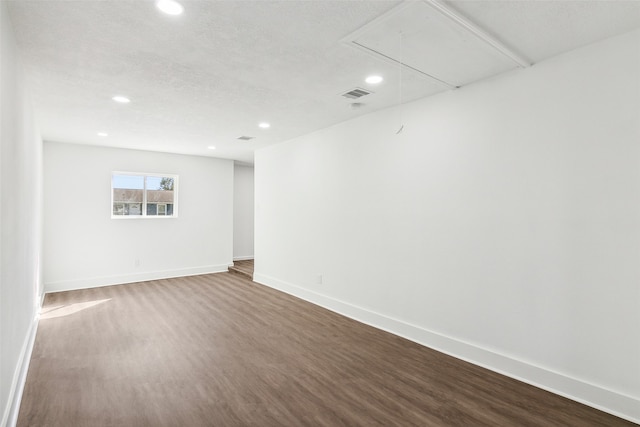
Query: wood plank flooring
{"points": [[244, 267], [220, 350]]}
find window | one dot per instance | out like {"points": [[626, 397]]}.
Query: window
{"points": [[136, 195]]}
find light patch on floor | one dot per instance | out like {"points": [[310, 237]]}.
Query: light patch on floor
{"points": [[66, 310]]}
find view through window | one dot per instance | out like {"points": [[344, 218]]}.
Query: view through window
{"points": [[143, 195]]}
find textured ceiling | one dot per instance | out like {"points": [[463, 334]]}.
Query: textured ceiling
{"points": [[212, 74], [544, 28]]}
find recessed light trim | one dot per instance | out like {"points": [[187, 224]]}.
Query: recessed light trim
{"points": [[170, 7], [374, 80], [264, 125], [121, 99], [103, 134], [211, 147]]}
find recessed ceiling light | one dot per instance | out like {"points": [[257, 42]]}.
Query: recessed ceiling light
{"points": [[121, 99], [374, 80], [264, 125], [103, 134], [170, 7], [211, 147]]}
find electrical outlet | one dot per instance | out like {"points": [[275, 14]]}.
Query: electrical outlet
{"points": [[136, 263], [319, 279]]}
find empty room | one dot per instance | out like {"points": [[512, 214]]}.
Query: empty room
{"points": [[319, 213]]}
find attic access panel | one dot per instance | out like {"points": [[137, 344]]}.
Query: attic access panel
{"points": [[434, 41]]}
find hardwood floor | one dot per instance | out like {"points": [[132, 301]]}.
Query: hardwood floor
{"points": [[244, 267], [220, 350]]}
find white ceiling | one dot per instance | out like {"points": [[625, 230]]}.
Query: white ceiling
{"points": [[212, 74]]}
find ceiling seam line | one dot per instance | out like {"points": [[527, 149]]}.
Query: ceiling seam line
{"points": [[451, 86]]}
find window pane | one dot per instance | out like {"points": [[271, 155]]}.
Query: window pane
{"points": [[134, 209], [151, 209], [160, 191], [127, 194], [118, 208]]}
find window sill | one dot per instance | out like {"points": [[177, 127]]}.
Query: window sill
{"points": [[143, 217]]}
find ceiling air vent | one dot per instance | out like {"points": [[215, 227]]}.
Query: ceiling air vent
{"points": [[356, 93], [245, 138]]}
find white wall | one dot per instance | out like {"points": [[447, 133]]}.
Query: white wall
{"points": [[243, 212], [20, 219], [84, 247], [502, 226]]}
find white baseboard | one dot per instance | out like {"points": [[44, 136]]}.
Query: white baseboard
{"points": [[242, 258], [94, 282], [615, 403], [10, 417]]}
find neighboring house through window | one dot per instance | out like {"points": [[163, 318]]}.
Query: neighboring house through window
{"points": [[143, 195]]}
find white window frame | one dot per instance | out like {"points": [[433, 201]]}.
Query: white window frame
{"points": [[144, 195]]}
